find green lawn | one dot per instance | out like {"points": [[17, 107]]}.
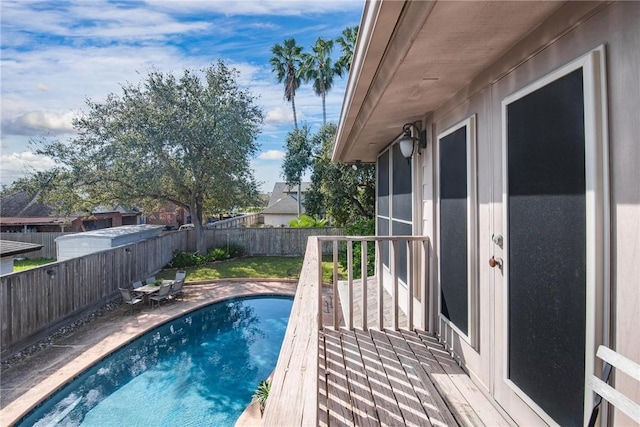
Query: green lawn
{"points": [[252, 267], [23, 264]]}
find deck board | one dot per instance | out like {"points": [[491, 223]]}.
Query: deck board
{"points": [[409, 403], [391, 378], [435, 407], [365, 413]]}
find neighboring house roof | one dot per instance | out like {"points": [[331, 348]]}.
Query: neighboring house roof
{"points": [[47, 220], [116, 209], [284, 198], [11, 248], [22, 205]]}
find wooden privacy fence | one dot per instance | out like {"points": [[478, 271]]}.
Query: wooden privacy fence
{"points": [[239, 221], [47, 240], [264, 241], [255, 241], [35, 302]]}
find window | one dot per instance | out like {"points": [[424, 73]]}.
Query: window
{"points": [[395, 207], [457, 229]]}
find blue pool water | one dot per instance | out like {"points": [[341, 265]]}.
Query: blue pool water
{"points": [[199, 370]]}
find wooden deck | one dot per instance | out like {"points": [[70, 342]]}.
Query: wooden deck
{"points": [[359, 377], [374, 378]]}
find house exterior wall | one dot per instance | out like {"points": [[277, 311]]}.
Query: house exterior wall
{"points": [[6, 265], [278, 220], [616, 27]]}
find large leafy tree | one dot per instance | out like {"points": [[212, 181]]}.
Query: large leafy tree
{"points": [[297, 159], [347, 42], [286, 62], [320, 69], [186, 140], [345, 193]]}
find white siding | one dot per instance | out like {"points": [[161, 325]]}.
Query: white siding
{"points": [[6, 265]]}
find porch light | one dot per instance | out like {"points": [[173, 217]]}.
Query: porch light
{"points": [[408, 141]]}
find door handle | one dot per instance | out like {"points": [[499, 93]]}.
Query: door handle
{"points": [[493, 262]]}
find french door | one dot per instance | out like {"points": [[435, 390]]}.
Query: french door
{"points": [[551, 238]]}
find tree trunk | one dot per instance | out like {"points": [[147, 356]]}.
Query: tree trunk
{"points": [[299, 198], [324, 109], [293, 107], [196, 219]]}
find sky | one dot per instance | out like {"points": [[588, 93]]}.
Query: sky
{"points": [[57, 54]]}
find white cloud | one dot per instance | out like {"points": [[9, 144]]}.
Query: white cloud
{"points": [[37, 123], [16, 165], [279, 115], [272, 155], [111, 22], [262, 7]]}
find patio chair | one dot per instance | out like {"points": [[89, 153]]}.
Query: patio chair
{"points": [[181, 275], [163, 294], [135, 286], [176, 289], [127, 298]]}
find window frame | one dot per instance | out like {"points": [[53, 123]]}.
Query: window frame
{"points": [[471, 337]]}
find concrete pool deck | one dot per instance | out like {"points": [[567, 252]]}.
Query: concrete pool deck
{"points": [[27, 383]]}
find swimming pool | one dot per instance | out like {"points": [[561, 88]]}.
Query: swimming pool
{"points": [[200, 369]]}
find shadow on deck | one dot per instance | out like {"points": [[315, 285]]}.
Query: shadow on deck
{"points": [[367, 376], [372, 378]]}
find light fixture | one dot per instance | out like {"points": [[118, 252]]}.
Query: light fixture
{"points": [[408, 141], [51, 272]]}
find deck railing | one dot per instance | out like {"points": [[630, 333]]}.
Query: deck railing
{"points": [[293, 399], [417, 255]]}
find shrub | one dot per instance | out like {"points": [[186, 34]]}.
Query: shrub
{"points": [[217, 254], [225, 252], [182, 259], [306, 221], [235, 250]]}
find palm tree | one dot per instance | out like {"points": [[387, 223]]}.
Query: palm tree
{"points": [[286, 63], [319, 68], [347, 42]]}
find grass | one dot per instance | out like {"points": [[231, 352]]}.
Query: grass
{"points": [[249, 267], [26, 263], [253, 267]]}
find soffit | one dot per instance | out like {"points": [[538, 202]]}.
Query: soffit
{"points": [[435, 50]]}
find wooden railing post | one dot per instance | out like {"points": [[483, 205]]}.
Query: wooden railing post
{"points": [[335, 284], [424, 281], [350, 284], [365, 298], [380, 274], [394, 293], [410, 279], [319, 265]]}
